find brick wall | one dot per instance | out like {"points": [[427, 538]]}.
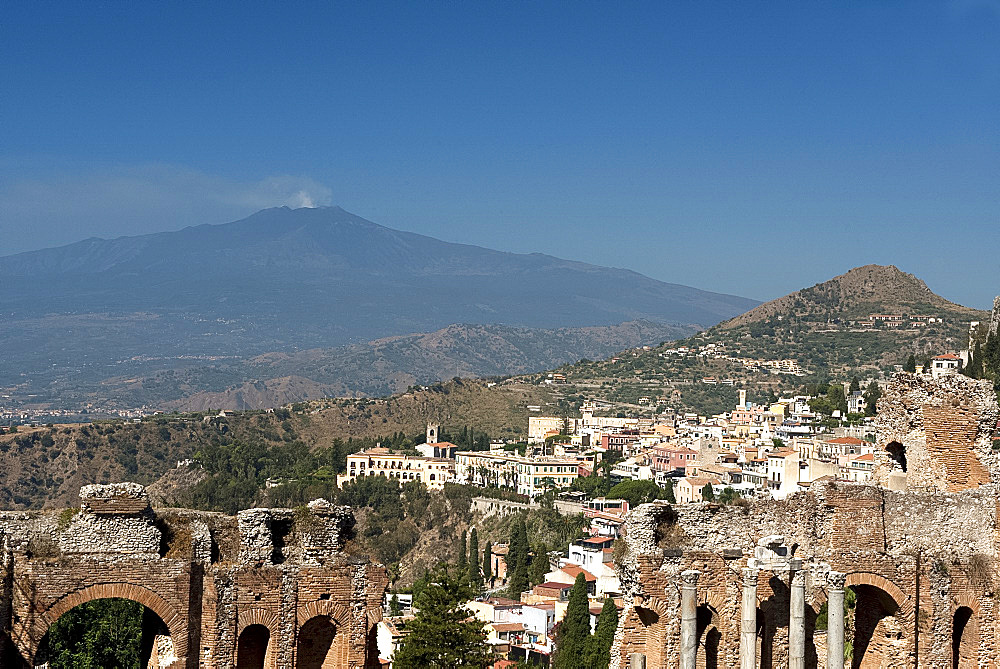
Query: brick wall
{"points": [[303, 601]]}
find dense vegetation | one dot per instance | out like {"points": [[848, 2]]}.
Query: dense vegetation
{"points": [[101, 634]]}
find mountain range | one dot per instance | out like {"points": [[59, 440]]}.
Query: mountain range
{"points": [[286, 280]]}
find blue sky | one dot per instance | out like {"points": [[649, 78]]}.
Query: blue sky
{"points": [[744, 147]]}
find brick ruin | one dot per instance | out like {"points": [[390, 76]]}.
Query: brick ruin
{"points": [[763, 584], [268, 588]]}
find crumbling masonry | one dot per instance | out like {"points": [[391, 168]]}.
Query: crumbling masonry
{"points": [[764, 585], [269, 588]]}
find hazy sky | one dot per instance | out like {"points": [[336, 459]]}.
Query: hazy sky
{"points": [[744, 147]]}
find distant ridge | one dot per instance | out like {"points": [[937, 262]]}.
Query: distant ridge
{"points": [[284, 280], [857, 294]]}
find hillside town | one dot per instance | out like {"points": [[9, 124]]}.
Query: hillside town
{"points": [[750, 452]]}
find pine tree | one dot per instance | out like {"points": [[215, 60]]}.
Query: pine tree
{"points": [[488, 564], [911, 364], [475, 577], [574, 631], [599, 645], [872, 395], [443, 634], [539, 566]]}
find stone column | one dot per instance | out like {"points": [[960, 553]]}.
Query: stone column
{"points": [[689, 618], [797, 618], [748, 620], [835, 620]]}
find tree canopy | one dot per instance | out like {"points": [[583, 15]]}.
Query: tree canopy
{"points": [[101, 634], [636, 492], [443, 634]]}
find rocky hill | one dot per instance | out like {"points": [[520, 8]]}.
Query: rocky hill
{"points": [[855, 295], [812, 335]]}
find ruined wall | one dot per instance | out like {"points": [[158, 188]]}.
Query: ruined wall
{"points": [[921, 560], [936, 433], [207, 576]]}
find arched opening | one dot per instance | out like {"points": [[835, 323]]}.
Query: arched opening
{"points": [[709, 637], [316, 648], [897, 455], [877, 636], [652, 635], [964, 639], [111, 632], [252, 646]]}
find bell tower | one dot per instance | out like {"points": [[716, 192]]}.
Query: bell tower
{"points": [[432, 433]]}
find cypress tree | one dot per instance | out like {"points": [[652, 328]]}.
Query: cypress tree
{"points": [[517, 581], [599, 646], [517, 560], [475, 578], [463, 557], [574, 631], [444, 634], [855, 385], [911, 364], [707, 493], [539, 566], [488, 564], [975, 367], [669, 492]]}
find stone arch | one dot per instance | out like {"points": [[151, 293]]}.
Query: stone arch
{"points": [[859, 578], [257, 616], [967, 601], [868, 578], [338, 613], [136, 593]]}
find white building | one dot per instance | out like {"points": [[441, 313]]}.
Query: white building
{"points": [[944, 365], [379, 461]]}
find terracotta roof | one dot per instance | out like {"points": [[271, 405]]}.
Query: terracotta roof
{"points": [[947, 356], [574, 570], [552, 585], [597, 540], [867, 457]]}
